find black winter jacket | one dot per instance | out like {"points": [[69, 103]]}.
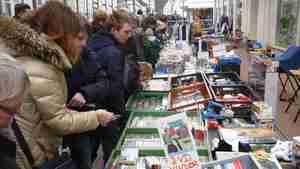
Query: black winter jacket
{"points": [[109, 55], [7, 154], [88, 78]]}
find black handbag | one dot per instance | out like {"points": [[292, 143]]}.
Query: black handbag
{"points": [[63, 161]]}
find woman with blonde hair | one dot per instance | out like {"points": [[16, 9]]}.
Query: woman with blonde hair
{"points": [[47, 46], [98, 23], [13, 85]]}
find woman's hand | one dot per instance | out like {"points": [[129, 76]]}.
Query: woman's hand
{"points": [[77, 100], [105, 117]]}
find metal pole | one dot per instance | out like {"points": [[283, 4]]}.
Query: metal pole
{"points": [[183, 8], [77, 6], [149, 6], [34, 5], [87, 7], [134, 9]]}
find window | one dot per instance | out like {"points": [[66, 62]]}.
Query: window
{"points": [[287, 28]]}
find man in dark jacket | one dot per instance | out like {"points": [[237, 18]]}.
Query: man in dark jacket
{"points": [[88, 79], [87, 85], [133, 53], [108, 49], [110, 56]]}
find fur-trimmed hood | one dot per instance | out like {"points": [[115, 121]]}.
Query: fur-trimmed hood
{"points": [[24, 41]]}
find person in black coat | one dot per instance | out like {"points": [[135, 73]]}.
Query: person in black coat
{"points": [[108, 49], [133, 53], [7, 153], [132, 71], [89, 79], [88, 88], [109, 55]]}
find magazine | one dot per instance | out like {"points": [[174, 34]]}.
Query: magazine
{"points": [[176, 134], [184, 160]]}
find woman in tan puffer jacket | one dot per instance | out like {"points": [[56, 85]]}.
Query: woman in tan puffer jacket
{"points": [[46, 47]]}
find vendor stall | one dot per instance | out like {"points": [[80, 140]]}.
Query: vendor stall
{"points": [[201, 120]]}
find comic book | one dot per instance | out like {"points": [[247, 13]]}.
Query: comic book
{"points": [[181, 147], [176, 134], [184, 160]]}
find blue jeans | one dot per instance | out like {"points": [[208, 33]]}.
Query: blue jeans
{"points": [[83, 148]]}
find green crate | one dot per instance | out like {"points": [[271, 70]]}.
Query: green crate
{"points": [[202, 151], [158, 78], [142, 153], [134, 114], [144, 95], [137, 131], [152, 114], [203, 155], [179, 80], [266, 147]]}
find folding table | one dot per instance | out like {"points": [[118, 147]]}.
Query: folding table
{"points": [[293, 77]]}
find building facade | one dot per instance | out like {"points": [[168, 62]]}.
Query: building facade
{"points": [[85, 7], [272, 22]]}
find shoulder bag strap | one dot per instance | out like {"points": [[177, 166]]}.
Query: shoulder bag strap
{"points": [[22, 142]]}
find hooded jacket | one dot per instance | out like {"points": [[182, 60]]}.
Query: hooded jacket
{"points": [[43, 118], [88, 78], [109, 56]]}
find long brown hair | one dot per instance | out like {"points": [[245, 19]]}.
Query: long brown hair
{"points": [[59, 22]]}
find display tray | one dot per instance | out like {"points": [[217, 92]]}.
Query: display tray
{"points": [[233, 94], [242, 111], [141, 138], [250, 135], [147, 119], [149, 122], [116, 155], [245, 161], [185, 80], [189, 98], [148, 101], [157, 84], [223, 78], [230, 68], [142, 154]]}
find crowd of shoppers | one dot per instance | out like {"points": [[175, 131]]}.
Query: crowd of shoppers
{"points": [[65, 81]]}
